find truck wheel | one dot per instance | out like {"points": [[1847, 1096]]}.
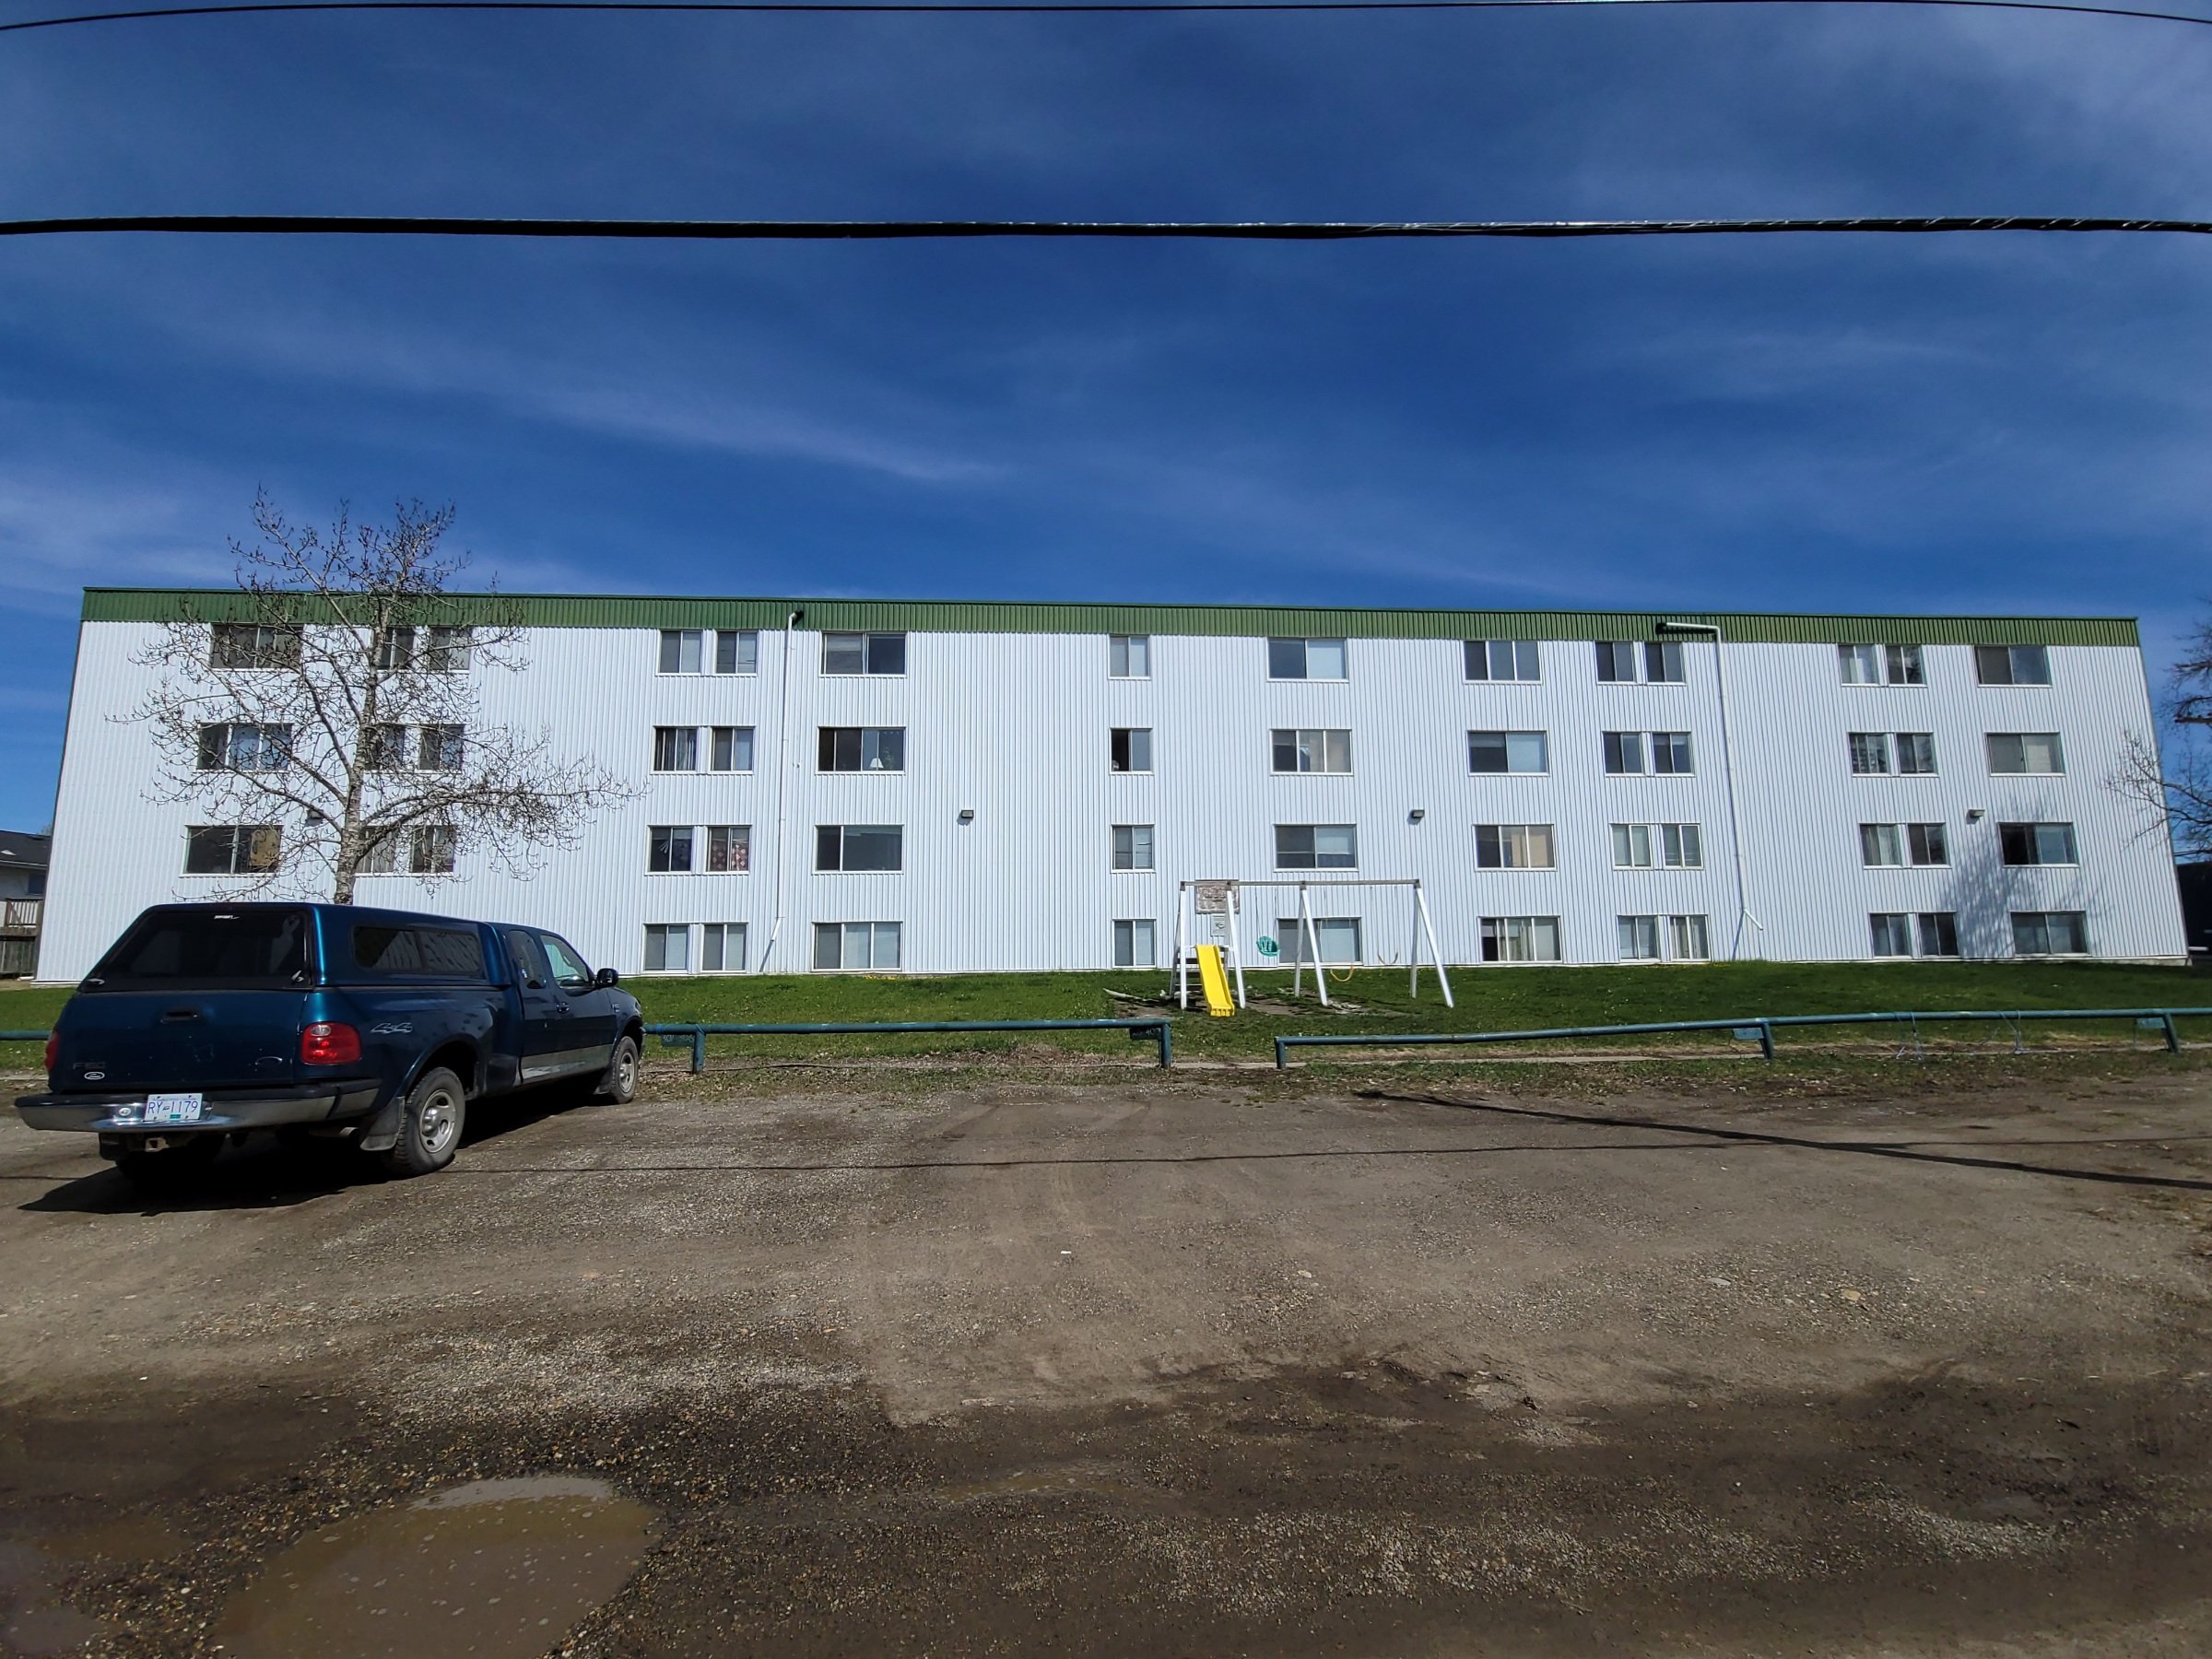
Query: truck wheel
{"points": [[173, 1170], [429, 1125], [619, 1083]]}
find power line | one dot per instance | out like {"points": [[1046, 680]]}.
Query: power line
{"points": [[1031, 7], [288, 224]]}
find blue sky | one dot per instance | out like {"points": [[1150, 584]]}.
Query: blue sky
{"points": [[1979, 424]]}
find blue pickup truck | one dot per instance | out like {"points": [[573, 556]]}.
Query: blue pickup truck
{"points": [[377, 1027]]}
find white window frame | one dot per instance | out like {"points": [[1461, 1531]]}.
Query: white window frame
{"points": [[1875, 747], [1509, 934], [1523, 838], [1543, 746], [845, 833], [665, 934], [1305, 744], [1136, 742], [1141, 840], [736, 737], [1352, 836], [714, 939], [868, 637], [1127, 932], [2081, 926], [1487, 652], [1305, 644], [686, 835], [2039, 862], [1683, 931], [682, 741], [1633, 934], [2038, 655], [1129, 656], [877, 931], [2057, 768]]}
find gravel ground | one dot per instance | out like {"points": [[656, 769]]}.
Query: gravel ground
{"points": [[1155, 1366]]}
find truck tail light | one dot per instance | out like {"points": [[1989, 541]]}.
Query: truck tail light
{"points": [[53, 1050], [326, 1042]]}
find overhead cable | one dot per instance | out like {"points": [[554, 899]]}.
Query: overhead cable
{"points": [[293, 224], [1030, 8]]}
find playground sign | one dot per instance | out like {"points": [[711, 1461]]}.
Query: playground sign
{"points": [[1214, 897]]}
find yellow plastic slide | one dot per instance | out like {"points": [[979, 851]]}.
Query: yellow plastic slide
{"points": [[1218, 1000]]}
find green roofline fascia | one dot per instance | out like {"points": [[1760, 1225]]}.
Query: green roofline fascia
{"points": [[997, 616]]}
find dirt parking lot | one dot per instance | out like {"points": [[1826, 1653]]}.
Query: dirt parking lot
{"points": [[1418, 1369]]}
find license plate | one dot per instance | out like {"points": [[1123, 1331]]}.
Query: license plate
{"points": [[173, 1108]]}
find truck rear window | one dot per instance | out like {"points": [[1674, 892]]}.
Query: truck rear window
{"points": [[442, 953], [241, 949]]}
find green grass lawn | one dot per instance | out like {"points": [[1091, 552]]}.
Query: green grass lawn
{"points": [[1371, 1000]]}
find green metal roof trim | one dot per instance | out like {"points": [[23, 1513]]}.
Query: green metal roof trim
{"points": [[959, 616]]}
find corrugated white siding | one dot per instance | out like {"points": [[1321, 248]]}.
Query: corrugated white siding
{"points": [[1015, 726]]}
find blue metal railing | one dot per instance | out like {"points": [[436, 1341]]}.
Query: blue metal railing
{"points": [[22, 1036], [1757, 1028], [699, 1034]]}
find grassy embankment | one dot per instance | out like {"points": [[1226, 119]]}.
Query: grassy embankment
{"points": [[1375, 1001]]}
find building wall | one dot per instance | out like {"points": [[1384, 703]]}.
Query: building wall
{"points": [[1014, 726]]}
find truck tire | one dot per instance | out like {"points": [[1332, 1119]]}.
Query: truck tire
{"points": [[173, 1170], [429, 1125], [618, 1084]]}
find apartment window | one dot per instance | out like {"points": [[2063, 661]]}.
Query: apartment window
{"points": [[1513, 847], [381, 857], [440, 749], [1670, 754], [667, 948], [733, 749], [1129, 656], [1682, 846], [857, 946], [1133, 943], [1132, 846], [1689, 937], [394, 650], [2038, 844], [1916, 754], [859, 846], [675, 748], [232, 849], [737, 650], [1638, 938], [1895, 845], [1520, 938], [1626, 661], [2025, 752], [1311, 749], [1130, 749], [1305, 659], [1632, 846], [1623, 753], [861, 748], [2012, 664], [1869, 753], [722, 948], [863, 653], [1938, 932], [449, 649], [1882, 665], [1890, 934], [1503, 660], [432, 849], [1335, 940], [252, 645], [2050, 932], [682, 649], [384, 747], [670, 849], [241, 747], [729, 849], [1508, 752], [1316, 847]]}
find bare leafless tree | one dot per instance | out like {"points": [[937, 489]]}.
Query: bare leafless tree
{"points": [[2177, 785], [328, 716]]}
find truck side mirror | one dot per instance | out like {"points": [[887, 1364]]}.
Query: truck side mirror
{"points": [[606, 977]]}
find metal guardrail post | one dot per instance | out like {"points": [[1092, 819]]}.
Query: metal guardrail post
{"points": [[1766, 1039], [2173, 1036], [1167, 1046], [1282, 1054], [698, 1050]]}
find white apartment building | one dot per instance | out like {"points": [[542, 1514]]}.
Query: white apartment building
{"points": [[931, 786]]}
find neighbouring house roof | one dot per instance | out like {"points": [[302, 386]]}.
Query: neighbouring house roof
{"points": [[994, 616], [21, 851]]}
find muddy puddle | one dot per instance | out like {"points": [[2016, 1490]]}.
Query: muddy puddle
{"points": [[493, 1569]]}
